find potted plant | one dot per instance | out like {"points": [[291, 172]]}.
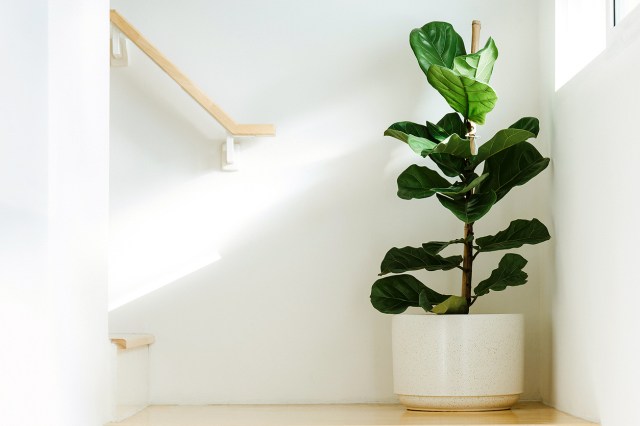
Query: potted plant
{"points": [[450, 360]]}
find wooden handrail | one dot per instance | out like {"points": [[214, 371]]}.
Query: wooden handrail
{"points": [[187, 85]]}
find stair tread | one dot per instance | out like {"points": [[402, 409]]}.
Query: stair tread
{"points": [[131, 340]]}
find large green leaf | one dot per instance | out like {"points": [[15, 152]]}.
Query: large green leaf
{"points": [[518, 233], [508, 273], [455, 145], [453, 124], [421, 146], [403, 129], [435, 247], [459, 188], [437, 133], [436, 43], [419, 182], [469, 210], [504, 139], [394, 294], [432, 296], [423, 301], [450, 124], [512, 167], [478, 65], [530, 124], [398, 260], [415, 135], [452, 305], [450, 165], [471, 98]]}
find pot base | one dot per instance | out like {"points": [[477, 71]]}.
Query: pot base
{"points": [[459, 403]]}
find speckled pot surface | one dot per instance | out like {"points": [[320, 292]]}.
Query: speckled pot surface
{"points": [[458, 362]]}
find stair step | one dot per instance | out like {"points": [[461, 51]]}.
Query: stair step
{"points": [[130, 380], [131, 340]]}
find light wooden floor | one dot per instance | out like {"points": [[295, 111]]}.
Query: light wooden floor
{"points": [[527, 413]]}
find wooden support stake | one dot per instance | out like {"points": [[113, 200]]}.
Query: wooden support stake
{"points": [[475, 36], [467, 262], [475, 42]]}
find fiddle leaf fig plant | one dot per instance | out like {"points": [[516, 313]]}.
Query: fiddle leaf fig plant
{"points": [[480, 179]]}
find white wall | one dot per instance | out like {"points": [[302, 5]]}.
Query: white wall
{"points": [[284, 315], [24, 293], [595, 155], [54, 214]]}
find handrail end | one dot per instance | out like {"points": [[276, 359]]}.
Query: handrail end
{"points": [[254, 130]]}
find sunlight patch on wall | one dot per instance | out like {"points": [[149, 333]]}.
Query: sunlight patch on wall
{"points": [[156, 242], [127, 285], [162, 239], [581, 35]]}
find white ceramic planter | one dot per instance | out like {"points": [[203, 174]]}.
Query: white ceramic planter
{"points": [[458, 362]]}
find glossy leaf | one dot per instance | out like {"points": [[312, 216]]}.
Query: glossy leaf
{"points": [[453, 124], [508, 273], [469, 211], [398, 260], [518, 233], [450, 124], [455, 145], [433, 296], [452, 305], [436, 132], [450, 165], [449, 154], [436, 43], [423, 301], [530, 124], [421, 146], [478, 65], [460, 189], [435, 247], [512, 167], [504, 139], [415, 135], [419, 182], [471, 98], [394, 294], [402, 129]]}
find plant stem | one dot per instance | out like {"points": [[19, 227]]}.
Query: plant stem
{"points": [[467, 263], [468, 256]]}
